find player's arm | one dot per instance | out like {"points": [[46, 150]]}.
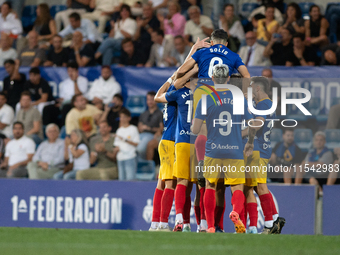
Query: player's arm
{"points": [[257, 123], [244, 132], [160, 95], [243, 70], [196, 126], [180, 82]]}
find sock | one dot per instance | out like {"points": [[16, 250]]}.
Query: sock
{"points": [[202, 190], [180, 198], [197, 214], [243, 215], [200, 147], [186, 210], [237, 200], [163, 224], [275, 213], [218, 215], [267, 210], [156, 212], [209, 204], [166, 204], [220, 224], [253, 214]]}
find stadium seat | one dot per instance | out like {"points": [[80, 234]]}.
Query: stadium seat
{"points": [[57, 8], [136, 105], [295, 113], [275, 136], [62, 133], [313, 106], [160, 106], [29, 15], [303, 138], [146, 170], [247, 8], [332, 138], [335, 101], [304, 6]]}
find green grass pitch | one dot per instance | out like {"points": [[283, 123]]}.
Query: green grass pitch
{"points": [[27, 241]]}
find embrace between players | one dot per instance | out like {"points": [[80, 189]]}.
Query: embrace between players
{"points": [[190, 138]]}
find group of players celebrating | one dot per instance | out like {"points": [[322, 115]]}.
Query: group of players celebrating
{"points": [[191, 138]]}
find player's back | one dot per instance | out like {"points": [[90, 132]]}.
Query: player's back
{"points": [[169, 119], [207, 58]]}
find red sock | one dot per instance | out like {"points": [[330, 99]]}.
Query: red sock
{"points": [[202, 190], [200, 147], [166, 204], [244, 213], [218, 214], [253, 214], [198, 214], [186, 210], [266, 207], [156, 212], [273, 204], [220, 224], [209, 205], [237, 200], [180, 198]]}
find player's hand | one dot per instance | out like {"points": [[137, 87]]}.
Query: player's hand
{"points": [[248, 149], [202, 43]]}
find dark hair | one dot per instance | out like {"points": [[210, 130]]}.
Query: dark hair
{"points": [[25, 93], [227, 5], [72, 64], [298, 12], [236, 79], [126, 7], [74, 98], [106, 66], [299, 35], [19, 123], [3, 94], [151, 93], [35, 70], [219, 35], [75, 16], [9, 61], [159, 32], [270, 5], [259, 16], [287, 130], [45, 15], [125, 112], [56, 35], [261, 81], [126, 40], [318, 21], [312, 6], [119, 96], [9, 4]]}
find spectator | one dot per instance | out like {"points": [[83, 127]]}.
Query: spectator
{"points": [[31, 118], [73, 6], [174, 23], [74, 84], [49, 157], [6, 50], [126, 141], [199, 26], [76, 154], [145, 25], [262, 10], [159, 4], [279, 49], [44, 25], [231, 24], [111, 112], [333, 121], [85, 26], [102, 154], [19, 152], [320, 154], [293, 19], [39, 89], [131, 55], [80, 51], [6, 116], [3, 141], [302, 55], [218, 8], [331, 54], [103, 9], [31, 55], [179, 53], [278, 4], [104, 88], [9, 23], [83, 116], [287, 153], [124, 28], [185, 4], [57, 55], [267, 26], [273, 84], [150, 122], [317, 28], [252, 54], [160, 50], [13, 83]]}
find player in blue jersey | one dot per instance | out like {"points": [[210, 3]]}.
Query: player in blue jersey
{"points": [[218, 53], [164, 192], [273, 223], [223, 151]]}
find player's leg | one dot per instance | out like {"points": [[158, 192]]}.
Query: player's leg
{"points": [[220, 206], [237, 201], [166, 204], [187, 209], [180, 198], [156, 211], [197, 207], [251, 209], [209, 205]]}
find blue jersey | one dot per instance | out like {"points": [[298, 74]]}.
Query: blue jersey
{"points": [[263, 134], [207, 58], [169, 119], [224, 139], [183, 98]]}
